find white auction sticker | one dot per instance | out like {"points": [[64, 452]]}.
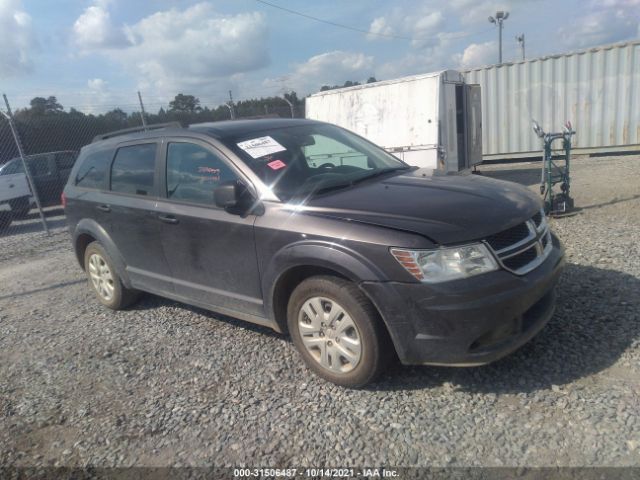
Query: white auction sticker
{"points": [[259, 147]]}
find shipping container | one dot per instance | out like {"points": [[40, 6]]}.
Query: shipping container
{"points": [[431, 120], [596, 89]]}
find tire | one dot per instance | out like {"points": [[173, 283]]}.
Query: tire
{"points": [[20, 207], [6, 218], [104, 280], [332, 351]]}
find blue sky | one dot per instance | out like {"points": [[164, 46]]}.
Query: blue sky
{"points": [[95, 54]]}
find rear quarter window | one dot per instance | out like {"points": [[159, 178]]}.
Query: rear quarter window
{"points": [[93, 169]]}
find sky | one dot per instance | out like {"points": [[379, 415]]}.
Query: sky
{"points": [[95, 55]]}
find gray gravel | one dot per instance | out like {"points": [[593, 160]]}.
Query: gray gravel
{"points": [[167, 384]]}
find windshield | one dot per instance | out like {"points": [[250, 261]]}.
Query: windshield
{"points": [[309, 159]]}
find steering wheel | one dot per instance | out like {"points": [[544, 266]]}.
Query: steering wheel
{"points": [[327, 165]]}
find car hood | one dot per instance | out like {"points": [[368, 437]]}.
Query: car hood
{"points": [[447, 209]]}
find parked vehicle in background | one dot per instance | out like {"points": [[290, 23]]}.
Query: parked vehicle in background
{"points": [[49, 171], [309, 229], [433, 120], [14, 192]]}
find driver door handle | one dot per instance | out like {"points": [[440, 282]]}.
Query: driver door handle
{"points": [[168, 219]]}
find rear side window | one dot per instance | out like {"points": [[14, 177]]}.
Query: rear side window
{"points": [[93, 170], [65, 160], [133, 170], [193, 173]]}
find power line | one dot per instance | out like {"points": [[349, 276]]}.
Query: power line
{"points": [[328, 22], [366, 32]]}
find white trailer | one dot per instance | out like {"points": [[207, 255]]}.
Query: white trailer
{"points": [[432, 120]]}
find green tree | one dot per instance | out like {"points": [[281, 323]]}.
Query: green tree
{"points": [[185, 103], [371, 80], [43, 106]]}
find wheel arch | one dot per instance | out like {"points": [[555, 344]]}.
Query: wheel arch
{"points": [[88, 231], [298, 262]]}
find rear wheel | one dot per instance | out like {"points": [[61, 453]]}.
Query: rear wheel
{"points": [[104, 280], [338, 331]]}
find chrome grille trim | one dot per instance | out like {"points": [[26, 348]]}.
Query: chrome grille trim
{"points": [[537, 235]]}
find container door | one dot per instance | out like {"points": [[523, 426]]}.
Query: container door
{"points": [[474, 125]]}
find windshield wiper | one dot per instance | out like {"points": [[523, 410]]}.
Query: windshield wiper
{"points": [[351, 183]]}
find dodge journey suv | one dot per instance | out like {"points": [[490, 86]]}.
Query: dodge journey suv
{"points": [[311, 230]]}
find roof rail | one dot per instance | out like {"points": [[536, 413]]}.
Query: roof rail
{"points": [[141, 128]]}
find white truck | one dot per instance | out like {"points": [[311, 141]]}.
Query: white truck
{"points": [[432, 120], [15, 194]]}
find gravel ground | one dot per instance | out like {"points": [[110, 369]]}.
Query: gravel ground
{"points": [[167, 384]]}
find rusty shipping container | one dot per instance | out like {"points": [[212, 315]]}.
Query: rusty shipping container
{"points": [[597, 89]]}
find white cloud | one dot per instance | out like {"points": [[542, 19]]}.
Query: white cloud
{"points": [[330, 68], [93, 30], [17, 42], [177, 50], [477, 54], [379, 29], [607, 21]]}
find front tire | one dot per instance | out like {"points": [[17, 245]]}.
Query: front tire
{"points": [[6, 218], [20, 207], [103, 279], [337, 331]]}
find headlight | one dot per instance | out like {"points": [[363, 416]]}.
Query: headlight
{"points": [[444, 264]]}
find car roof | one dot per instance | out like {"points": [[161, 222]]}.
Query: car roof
{"points": [[232, 128], [218, 130]]}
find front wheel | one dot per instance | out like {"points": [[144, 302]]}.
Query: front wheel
{"points": [[337, 331], [20, 207]]}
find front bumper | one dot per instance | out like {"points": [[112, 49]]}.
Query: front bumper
{"points": [[468, 322]]}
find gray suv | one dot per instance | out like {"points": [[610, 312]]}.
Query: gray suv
{"points": [[311, 230]]}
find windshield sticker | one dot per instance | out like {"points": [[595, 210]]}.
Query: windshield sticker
{"points": [[276, 164], [259, 147]]}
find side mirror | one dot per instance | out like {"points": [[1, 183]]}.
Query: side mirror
{"points": [[234, 197], [227, 195]]}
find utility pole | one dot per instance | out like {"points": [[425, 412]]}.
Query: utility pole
{"points": [[27, 170], [230, 105], [142, 113], [520, 40], [498, 20], [291, 107]]}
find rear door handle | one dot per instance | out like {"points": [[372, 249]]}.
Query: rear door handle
{"points": [[168, 219], [104, 208]]}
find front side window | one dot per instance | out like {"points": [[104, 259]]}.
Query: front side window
{"points": [[93, 170], [300, 161], [193, 172], [133, 170]]}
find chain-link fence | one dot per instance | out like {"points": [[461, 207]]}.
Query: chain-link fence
{"points": [[39, 146]]}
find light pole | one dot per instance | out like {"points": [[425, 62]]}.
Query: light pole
{"points": [[500, 17], [520, 39]]}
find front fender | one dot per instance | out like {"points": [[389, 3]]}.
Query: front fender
{"points": [[90, 227], [338, 258]]}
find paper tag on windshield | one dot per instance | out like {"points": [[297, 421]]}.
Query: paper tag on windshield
{"points": [[259, 147]]}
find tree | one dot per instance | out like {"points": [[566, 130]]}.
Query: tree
{"points": [[185, 103], [43, 106], [371, 80]]}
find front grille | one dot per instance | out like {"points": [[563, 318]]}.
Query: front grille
{"points": [[537, 219], [521, 259], [508, 237], [522, 248]]}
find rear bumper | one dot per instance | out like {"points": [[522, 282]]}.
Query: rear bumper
{"points": [[468, 322]]}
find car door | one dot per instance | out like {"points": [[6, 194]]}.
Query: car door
{"points": [[211, 253], [45, 178], [133, 218]]}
